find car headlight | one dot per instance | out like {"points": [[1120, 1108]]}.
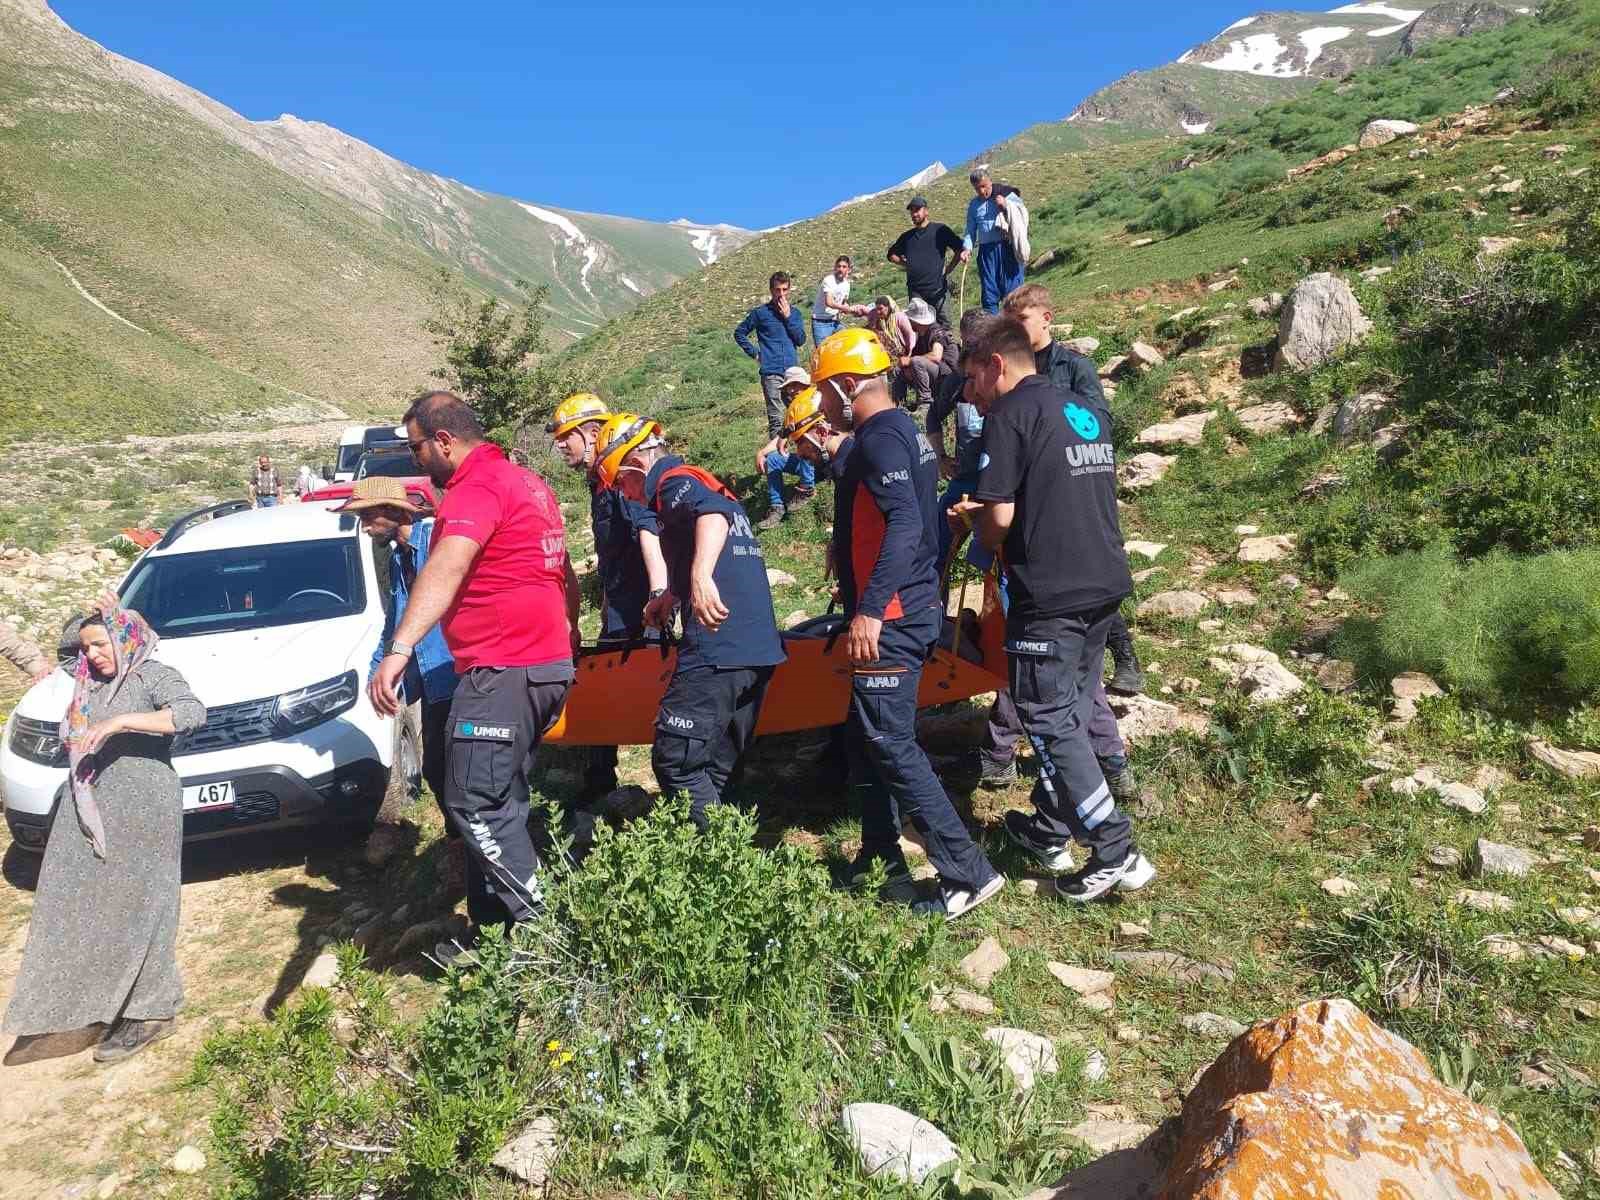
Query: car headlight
{"points": [[316, 703], [39, 742]]}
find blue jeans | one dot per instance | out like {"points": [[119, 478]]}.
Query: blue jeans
{"points": [[779, 465], [821, 331], [999, 272], [266, 502]]}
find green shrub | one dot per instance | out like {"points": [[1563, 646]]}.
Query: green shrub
{"points": [[1496, 629], [1182, 206], [1310, 743]]}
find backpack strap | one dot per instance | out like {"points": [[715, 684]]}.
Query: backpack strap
{"points": [[705, 478]]}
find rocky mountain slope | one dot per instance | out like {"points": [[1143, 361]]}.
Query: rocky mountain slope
{"points": [[1255, 61]]}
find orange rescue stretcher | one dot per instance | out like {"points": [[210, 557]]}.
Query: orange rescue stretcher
{"points": [[618, 691]]}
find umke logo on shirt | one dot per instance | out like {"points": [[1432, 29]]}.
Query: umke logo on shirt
{"points": [[1092, 457]]}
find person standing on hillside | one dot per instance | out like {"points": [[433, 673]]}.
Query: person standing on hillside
{"points": [[833, 302], [632, 572], [501, 586], [393, 519], [776, 325], [1047, 502], [885, 546], [23, 654], [921, 250], [1072, 372], [999, 272], [730, 644], [265, 488]]}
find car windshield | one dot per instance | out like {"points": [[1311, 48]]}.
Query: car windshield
{"points": [[394, 465], [349, 456], [248, 587]]}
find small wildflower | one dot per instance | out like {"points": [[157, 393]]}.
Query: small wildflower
{"points": [[616, 1127], [552, 1046]]}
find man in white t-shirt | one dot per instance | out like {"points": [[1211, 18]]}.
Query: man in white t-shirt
{"points": [[833, 302]]}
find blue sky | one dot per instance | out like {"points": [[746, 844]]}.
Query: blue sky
{"points": [[754, 113]]}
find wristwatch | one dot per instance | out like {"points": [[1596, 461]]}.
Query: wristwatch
{"points": [[400, 648], [657, 593]]}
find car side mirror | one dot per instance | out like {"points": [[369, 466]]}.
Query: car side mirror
{"points": [[327, 472]]}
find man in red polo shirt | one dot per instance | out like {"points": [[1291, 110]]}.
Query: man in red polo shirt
{"points": [[500, 584]]}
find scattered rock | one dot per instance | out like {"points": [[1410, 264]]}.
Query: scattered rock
{"points": [[1373, 274], [323, 971], [1085, 346], [1025, 1055], [1147, 573], [1146, 355], [1274, 547], [1113, 367], [899, 1144], [1336, 675], [1133, 931], [1574, 764], [1323, 484], [1493, 858], [798, 617], [1505, 947], [1268, 682], [1443, 857], [777, 578], [366, 934], [1139, 243], [1407, 688], [1489, 779], [1185, 431], [528, 1155], [1340, 887], [1488, 247], [1209, 625], [1382, 132], [1212, 1025], [1320, 319], [1128, 1035], [188, 1161], [1561, 947], [1265, 306], [1246, 530], [1142, 717], [108, 1186], [1164, 964], [1580, 916], [1095, 1067], [1149, 550], [1082, 980], [1274, 417], [1236, 597], [984, 963], [1180, 604], [1324, 1102], [968, 1002], [1360, 416], [1489, 902], [1104, 1136], [1555, 151], [1143, 470]]}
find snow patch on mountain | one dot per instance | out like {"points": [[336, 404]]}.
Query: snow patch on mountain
{"points": [[1405, 15], [1196, 127], [630, 285], [572, 235], [1315, 39], [1241, 24], [922, 178], [1267, 54]]}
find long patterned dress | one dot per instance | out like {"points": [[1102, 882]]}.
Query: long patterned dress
{"points": [[102, 940]]}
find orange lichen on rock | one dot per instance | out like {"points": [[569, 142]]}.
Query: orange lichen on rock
{"points": [[1324, 1104]]}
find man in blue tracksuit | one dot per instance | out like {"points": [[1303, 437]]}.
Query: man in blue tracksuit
{"points": [[779, 332], [395, 519], [999, 272]]}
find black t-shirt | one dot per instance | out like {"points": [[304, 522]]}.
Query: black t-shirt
{"points": [[1049, 451], [617, 522], [749, 637], [924, 250], [885, 540]]}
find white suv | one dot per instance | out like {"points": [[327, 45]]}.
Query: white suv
{"points": [[272, 615]]}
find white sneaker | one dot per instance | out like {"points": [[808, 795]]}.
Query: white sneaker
{"points": [[1098, 878], [1055, 858], [953, 902]]}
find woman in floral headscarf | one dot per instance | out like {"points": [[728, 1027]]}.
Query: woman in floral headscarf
{"points": [[101, 963]]}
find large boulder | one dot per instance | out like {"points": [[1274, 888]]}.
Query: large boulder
{"points": [[895, 1143], [1143, 470], [1320, 319], [1325, 1103], [1185, 431], [1455, 18], [1382, 132], [1360, 416], [1184, 605]]}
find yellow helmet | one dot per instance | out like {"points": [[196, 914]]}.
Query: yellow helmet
{"points": [[853, 351], [574, 411], [803, 414], [621, 434]]}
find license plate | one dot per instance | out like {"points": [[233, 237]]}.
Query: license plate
{"points": [[208, 795]]}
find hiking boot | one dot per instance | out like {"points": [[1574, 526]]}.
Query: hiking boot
{"points": [[1051, 857], [129, 1037], [996, 775], [1097, 878], [1127, 679], [802, 496], [773, 519], [1124, 787], [37, 1047], [897, 882], [955, 900]]}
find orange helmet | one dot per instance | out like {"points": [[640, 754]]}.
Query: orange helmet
{"points": [[574, 411], [621, 434], [803, 414], [853, 351]]}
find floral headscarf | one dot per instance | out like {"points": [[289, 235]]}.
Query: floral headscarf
{"points": [[132, 642]]}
